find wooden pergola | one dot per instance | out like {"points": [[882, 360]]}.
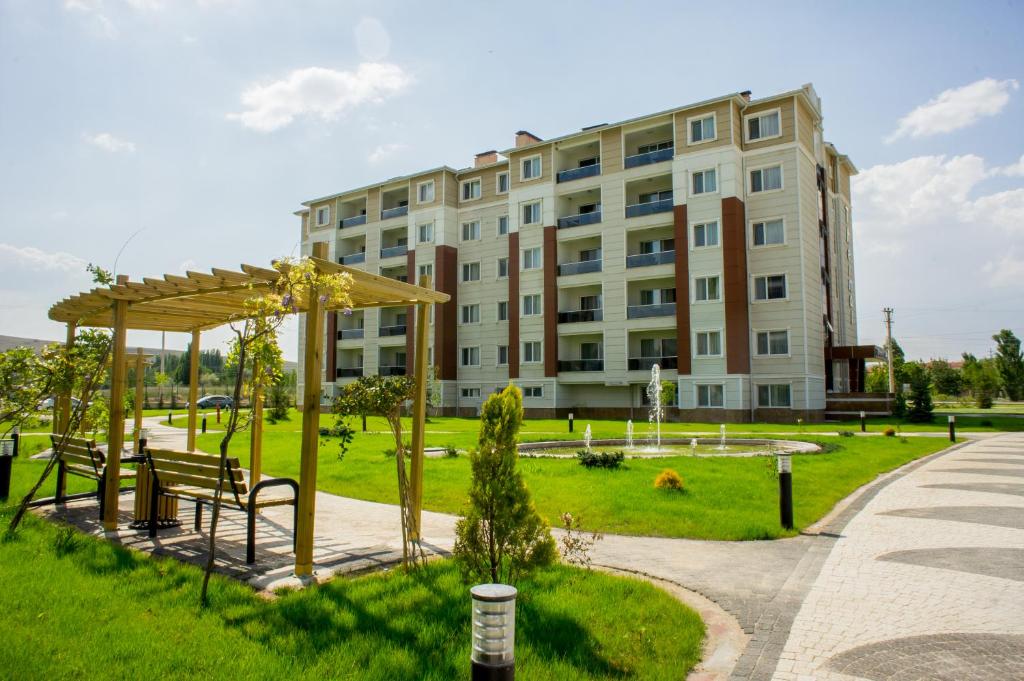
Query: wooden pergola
{"points": [[196, 302]]}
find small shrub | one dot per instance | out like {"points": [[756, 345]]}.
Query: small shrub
{"points": [[390, 452], [985, 423], [324, 431], [66, 541], [889, 432], [591, 459], [576, 545], [845, 433], [670, 480], [450, 451]]}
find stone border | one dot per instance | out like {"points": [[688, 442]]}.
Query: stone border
{"points": [[787, 446]]}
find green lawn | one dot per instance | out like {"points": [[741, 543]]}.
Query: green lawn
{"points": [[725, 498], [77, 607]]}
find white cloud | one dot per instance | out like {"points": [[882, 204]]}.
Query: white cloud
{"points": [[1012, 170], [372, 39], [34, 259], [384, 151], [1003, 209], [956, 108], [110, 143], [318, 91], [95, 17], [1006, 271]]}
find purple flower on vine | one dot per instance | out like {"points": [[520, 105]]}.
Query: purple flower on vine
{"points": [[347, 311], [323, 297]]}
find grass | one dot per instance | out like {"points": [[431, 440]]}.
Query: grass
{"points": [[73, 606], [725, 497]]}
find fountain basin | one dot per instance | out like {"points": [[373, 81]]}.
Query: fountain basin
{"points": [[706, 447]]}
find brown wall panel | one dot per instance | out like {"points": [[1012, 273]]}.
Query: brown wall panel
{"points": [[446, 346], [682, 289], [734, 275], [550, 301], [513, 305]]}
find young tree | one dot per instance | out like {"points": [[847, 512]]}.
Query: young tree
{"points": [[1010, 364], [501, 537], [982, 378], [920, 407], [946, 379]]}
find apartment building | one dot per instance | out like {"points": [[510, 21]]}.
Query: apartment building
{"points": [[713, 239]]}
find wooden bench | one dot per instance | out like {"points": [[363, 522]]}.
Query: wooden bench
{"points": [[194, 476], [82, 458]]}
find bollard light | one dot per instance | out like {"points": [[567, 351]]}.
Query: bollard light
{"points": [[570, 421], [863, 422], [494, 632], [786, 490], [785, 463], [952, 428]]}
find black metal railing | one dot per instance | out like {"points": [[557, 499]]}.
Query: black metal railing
{"points": [[649, 259], [394, 251], [394, 330], [649, 157], [578, 173], [577, 316], [350, 334], [648, 208], [353, 221], [397, 211], [581, 219], [582, 267], [645, 363], [659, 310], [391, 371], [350, 372], [581, 365]]}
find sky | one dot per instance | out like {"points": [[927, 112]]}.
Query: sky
{"points": [[153, 136]]}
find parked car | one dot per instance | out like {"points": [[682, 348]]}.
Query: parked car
{"points": [[213, 401], [47, 404]]}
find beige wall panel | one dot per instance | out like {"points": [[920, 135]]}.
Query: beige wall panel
{"points": [[611, 151]]}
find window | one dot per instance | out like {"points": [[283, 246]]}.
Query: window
{"points": [[531, 305], [531, 168], [502, 355], [773, 395], [590, 302], [706, 289], [657, 296], [702, 129], [773, 343], [471, 392], [531, 258], [533, 391], [770, 287], [471, 314], [502, 268], [426, 232], [657, 146], [531, 213], [590, 254], [471, 190], [705, 234], [502, 225], [427, 271], [711, 395], [501, 183], [531, 352], [704, 182], [709, 343], [765, 179], [471, 356], [590, 350], [471, 231], [470, 271], [763, 126], [652, 197], [502, 310], [425, 192], [323, 216], [769, 232]]}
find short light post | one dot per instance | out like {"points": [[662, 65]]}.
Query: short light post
{"points": [[786, 490], [863, 421], [170, 418], [143, 440], [494, 632], [8, 450], [364, 423], [952, 428], [204, 423], [570, 421]]}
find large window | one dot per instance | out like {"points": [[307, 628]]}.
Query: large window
{"points": [[705, 234], [502, 225], [471, 392], [763, 126], [774, 395], [531, 305], [706, 289], [323, 216], [471, 231], [712, 395], [425, 192], [503, 267], [709, 343], [531, 168], [704, 182], [502, 183], [657, 146], [502, 310], [654, 197], [769, 232], [773, 343], [470, 271], [533, 391], [531, 258], [702, 129], [471, 356], [531, 352], [471, 314], [531, 213], [502, 355], [471, 190], [427, 271], [426, 232], [657, 296], [770, 287], [765, 179]]}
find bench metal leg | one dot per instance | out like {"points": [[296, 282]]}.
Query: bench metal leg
{"points": [[198, 524], [58, 496], [250, 534], [101, 492], [154, 502]]}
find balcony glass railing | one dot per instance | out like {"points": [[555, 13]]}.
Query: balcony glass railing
{"points": [[649, 259], [394, 330], [390, 371], [578, 173], [650, 157], [582, 267], [396, 212], [581, 219], [352, 259], [649, 208], [394, 251], [581, 365], [353, 221], [350, 372], [659, 310], [350, 334], [576, 316], [645, 363]]}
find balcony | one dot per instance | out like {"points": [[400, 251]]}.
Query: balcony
{"points": [[394, 251], [352, 259], [581, 219], [395, 330], [583, 267], [645, 363], [650, 259], [581, 365], [391, 371], [350, 334], [353, 221], [349, 372], [643, 311], [578, 173], [649, 157], [648, 208], [577, 316], [396, 212]]}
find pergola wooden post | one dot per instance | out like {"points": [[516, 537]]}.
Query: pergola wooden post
{"points": [[256, 428], [140, 374], [419, 413], [193, 391], [115, 437]]}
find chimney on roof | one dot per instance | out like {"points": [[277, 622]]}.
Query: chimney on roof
{"points": [[745, 95], [525, 138], [485, 158]]}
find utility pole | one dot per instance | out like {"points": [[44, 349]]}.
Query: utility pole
{"points": [[888, 347]]}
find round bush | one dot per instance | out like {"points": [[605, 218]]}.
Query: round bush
{"points": [[669, 479]]}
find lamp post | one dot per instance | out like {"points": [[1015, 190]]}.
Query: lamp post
{"points": [[494, 632], [570, 421], [8, 450], [143, 439], [863, 422], [786, 490], [952, 428]]}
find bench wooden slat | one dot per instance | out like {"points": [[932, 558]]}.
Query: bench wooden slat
{"points": [[80, 460], [190, 457], [188, 493], [171, 478], [212, 472]]}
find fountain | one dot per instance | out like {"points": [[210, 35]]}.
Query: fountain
{"points": [[629, 434], [721, 438], [587, 437], [693, 447], [654, 397]]}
